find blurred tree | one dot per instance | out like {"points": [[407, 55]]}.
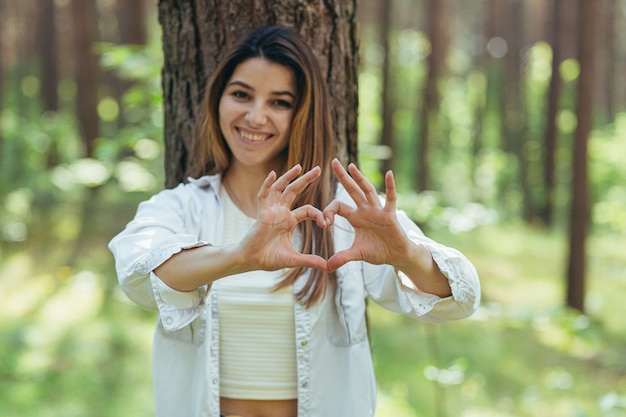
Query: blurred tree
{"points": [[483, 65], [131, 20], [387, 102], [2, 69], [47, 46], [554, 93], [132, 30], [23, 46], [48, 68], [197, 34], [493, 69], [514, 121], [2, 75], [609, 77], [579, 217], [437, 27], [85, 21]]}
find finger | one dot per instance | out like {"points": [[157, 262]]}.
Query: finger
{"points": [[366, 186], [283, 181], [264, 191], [308, 212], [296, 187], [348, 183], [337, 207], [391, 195], [310, 261], [339, 259]]}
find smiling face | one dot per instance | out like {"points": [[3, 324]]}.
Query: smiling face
{"points": [[255, 113]]}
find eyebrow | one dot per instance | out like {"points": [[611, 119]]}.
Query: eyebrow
{"points": [[275, 93]]}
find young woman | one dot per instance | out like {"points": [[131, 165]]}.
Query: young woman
{"points": [[259, 265]]}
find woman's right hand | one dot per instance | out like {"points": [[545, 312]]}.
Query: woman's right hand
{"points": [[268, 245]]}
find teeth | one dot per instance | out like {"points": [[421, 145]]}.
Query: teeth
{"points": [[254, 138]]}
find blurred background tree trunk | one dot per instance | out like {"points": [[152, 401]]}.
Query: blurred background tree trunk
{"points": [[437, 26], [611, 36], [387, 102], [554, 94], [2, 74], [514, 114], [47, 46], [579, 216], [132, 30], [197, 34], [85, 21], [48, 68]]}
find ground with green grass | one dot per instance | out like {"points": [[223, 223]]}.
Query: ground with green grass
{"points": [[73, 345]]}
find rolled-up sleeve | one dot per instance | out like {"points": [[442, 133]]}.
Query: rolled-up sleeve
{"points": [[158, 232], [396, 292]]}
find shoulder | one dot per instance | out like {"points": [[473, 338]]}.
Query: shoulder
{"points": [[196, 186], [187, 193]]}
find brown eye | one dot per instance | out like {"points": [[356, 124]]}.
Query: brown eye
{"points": [[240, 94], [283, 104]]}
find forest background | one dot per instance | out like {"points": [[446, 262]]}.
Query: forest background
{"points": [[507, 136]]}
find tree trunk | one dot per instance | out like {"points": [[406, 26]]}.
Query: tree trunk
{"points": [[554, 93], [387, 110], [2, 75], [197, 34], [612, 47], [47, 45], [580, 202], [514, 114], [131, 22], [132, 28], [48, 69], [430, 101], [84, 16]]}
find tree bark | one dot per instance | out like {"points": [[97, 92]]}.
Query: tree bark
{"points": [[579, 217], [84, 16], [196, 34]]}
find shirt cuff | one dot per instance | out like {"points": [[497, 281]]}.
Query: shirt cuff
{"points": [[177, 309]]}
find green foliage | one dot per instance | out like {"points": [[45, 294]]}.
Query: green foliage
{"points": [[469, 163], [44, 176], [608, 173]]}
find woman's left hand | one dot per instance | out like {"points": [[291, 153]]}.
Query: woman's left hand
{"points": [[379, 239]]}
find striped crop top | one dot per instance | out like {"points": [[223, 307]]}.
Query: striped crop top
{"points": [[257, 330]]}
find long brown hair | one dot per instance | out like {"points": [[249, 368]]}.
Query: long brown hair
{"points": [[311, 142]]}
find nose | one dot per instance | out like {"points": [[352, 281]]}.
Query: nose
{"points": [[257, 115]]}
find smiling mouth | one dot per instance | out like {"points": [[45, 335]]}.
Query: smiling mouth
{"points": [[253, 137]]}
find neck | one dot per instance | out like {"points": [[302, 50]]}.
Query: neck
{"points": [[243, 187]]}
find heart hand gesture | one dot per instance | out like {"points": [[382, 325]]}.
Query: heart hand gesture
{"points": [[379, 239], [268, 245]]}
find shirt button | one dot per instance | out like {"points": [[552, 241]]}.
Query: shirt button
{"points": [[169, 321], [305, 384], [304, 343]]}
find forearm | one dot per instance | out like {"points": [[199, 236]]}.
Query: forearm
{"points": [[193, 268], [420, 267]]}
